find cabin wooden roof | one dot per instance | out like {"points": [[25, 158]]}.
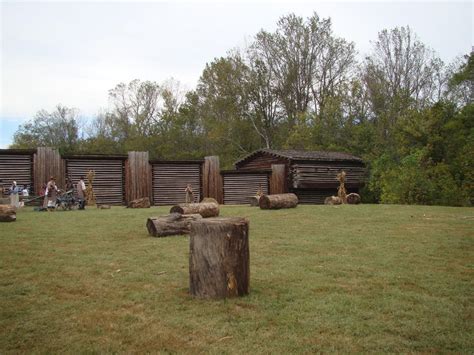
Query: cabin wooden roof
{"points": [[301, 155]]}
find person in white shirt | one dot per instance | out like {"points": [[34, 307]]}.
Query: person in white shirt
{"points": [[81, 193]]}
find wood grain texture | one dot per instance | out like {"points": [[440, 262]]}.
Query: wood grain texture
{"points": [[212, 179], [7, 213], [173, 224], [274, 202], [219, 261], [208, 209]]}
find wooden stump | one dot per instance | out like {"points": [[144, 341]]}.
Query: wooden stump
{"points": [[7, 213], [273, 202], [353, 198], [173, 224], [208, 209], [140, 203], [219, 265]]}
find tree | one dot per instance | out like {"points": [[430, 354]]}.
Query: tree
{"points": [[58, 129]]}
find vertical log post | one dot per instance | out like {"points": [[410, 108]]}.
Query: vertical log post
{"points": [[137, 176], [278, 179], [47, 162], [212, 179], [219, 264]]}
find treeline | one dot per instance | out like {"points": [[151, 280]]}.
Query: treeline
{"points": [[404, 111]]}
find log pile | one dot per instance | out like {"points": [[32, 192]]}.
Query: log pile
{"points": [[219, 265], [173, 224], [140, 203], [278, 201], [207, 209], [7, 213]]}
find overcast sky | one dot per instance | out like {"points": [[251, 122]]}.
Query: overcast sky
{"points": [[74, 52]]}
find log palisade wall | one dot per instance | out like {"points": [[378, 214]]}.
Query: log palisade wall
{"points": [[138, 177], [122, 178], [47, 163], [171, 178], [240, 186], [16, 166], [109, 181]]}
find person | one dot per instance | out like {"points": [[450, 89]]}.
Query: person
{"points": [[69, 186], [81, 193], [50, 194], [25, 191], [189, 193], [14, 198]]}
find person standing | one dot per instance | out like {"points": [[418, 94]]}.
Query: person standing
{"points": [[189, 194], [14, 197], [81, 193], [50, 193]]}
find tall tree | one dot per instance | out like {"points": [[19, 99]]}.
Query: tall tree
{"points": [[58, 129]]}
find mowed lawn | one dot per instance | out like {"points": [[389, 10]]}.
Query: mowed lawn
{"points": [[368, 278]]}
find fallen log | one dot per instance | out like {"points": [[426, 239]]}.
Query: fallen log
{"points": [[333, 200], [207, 209], [353, 198], [209, 199], [143, 202], [219, 264], [273, 202], [7, 213], [173, 224]]}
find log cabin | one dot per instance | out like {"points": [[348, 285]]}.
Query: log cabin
{"points": [[311, 175]]}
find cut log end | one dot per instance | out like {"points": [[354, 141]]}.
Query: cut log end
{"points": [[7, 213], [208, 209], [173, 224]]}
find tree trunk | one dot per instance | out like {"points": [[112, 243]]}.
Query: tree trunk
{"points": [[204, 209], [219, 265], [140, 203], [273, 202], [173, 224], [7, 213]]}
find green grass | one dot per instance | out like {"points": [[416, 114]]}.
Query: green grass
{"points": [[369, 278]]}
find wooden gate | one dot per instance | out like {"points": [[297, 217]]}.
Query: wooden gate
{"points": [[171, 178], [109, 177], [239, 186]]}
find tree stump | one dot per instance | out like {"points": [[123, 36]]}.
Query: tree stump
{"points": [[7, 213], [143, 202], [219, 265], [274, 202], [207, 209], [353, 198], [173, 224]]}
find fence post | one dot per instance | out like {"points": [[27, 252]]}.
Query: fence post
{"points": [[137, 176]]}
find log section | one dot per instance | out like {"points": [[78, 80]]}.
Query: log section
{"points": [[273, 202], [7, 213], [219, 264], [208, 209], [173, 224]]}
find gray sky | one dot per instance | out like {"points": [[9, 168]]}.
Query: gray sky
{"points": [[74, 52]]}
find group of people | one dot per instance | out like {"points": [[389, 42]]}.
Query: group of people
{"points": [[50, 192]]}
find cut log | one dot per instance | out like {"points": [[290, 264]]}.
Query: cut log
{"points": [[143, 202], [219, 264], [333, 200], [173, 224], [206, 210], [273, 202], [7, 213], [209, 199], [353, 198]]}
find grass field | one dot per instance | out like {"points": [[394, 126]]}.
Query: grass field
{"points": [[369, 278]]}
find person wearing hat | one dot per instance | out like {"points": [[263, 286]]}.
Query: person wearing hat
{"points": [[50, 194], [14, 198]]}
